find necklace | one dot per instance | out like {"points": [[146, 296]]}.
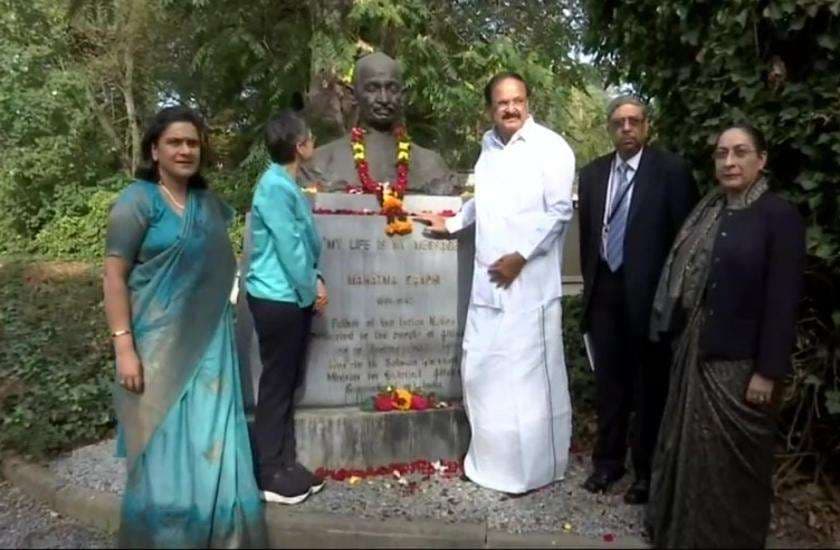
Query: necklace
{"points": [[177, 204]]}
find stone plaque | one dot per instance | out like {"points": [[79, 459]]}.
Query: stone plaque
{"points": [[396, 307]]}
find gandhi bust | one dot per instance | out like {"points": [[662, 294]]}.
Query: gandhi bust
{"points": [[378, 89]]}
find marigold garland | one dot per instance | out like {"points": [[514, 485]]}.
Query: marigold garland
{"points": [[390, 195]]}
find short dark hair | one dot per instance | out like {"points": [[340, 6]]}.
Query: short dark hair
{"points": [[626, 100], [283, 133], [148, 169], [755, 135], [488, 89]]}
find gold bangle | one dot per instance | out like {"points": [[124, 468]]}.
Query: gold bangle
{"points": [[120, 333]]}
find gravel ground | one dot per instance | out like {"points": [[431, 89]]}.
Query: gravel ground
{"points": [[25, 523], [563, 506]]}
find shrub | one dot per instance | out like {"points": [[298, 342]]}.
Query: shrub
{"points": [[55, 357]]}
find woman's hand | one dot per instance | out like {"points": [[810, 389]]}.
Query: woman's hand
{"points": [[130, 370], [321, 299], [118, 312], [759, 390]]}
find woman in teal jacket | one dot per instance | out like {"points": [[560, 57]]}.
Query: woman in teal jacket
{"points": [[284, 290]]}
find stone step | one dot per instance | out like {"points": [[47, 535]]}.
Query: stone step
{"points": [[348, 437]]}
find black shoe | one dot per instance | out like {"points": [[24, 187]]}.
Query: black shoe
{"points": [[286, 486], [638, 492], [315, 483], [600, 481]]}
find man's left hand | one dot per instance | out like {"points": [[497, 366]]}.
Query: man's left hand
{"points": [[506, 269]]}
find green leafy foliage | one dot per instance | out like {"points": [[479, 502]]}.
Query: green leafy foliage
{"points": [[774, 64], [78, 227], [79, 77], [55, 357], [581, 376], [48, 136]]}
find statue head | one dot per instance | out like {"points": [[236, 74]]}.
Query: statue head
{"points": [[379, 90]]}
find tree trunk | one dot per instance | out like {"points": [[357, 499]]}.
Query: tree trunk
{"points": [[133, 28], [130, 110], [109, 130]]}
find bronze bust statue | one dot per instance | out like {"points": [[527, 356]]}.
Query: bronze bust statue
{"points": [[378, 89]]}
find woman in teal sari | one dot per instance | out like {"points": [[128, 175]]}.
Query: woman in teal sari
{"points": [[169, 270]]}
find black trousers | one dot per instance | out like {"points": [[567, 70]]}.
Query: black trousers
{"points": [[631, 375], [283, 334]]}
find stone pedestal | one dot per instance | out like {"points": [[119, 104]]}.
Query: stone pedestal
{"points": [[346, 437]]}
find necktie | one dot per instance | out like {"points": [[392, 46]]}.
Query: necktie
{"points": [[618, 218]]}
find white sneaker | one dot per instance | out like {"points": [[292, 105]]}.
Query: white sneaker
{"points": [[315, 483], [270, 496], [286, 486]]}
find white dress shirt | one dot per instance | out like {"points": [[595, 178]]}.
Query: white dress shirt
{"points": [[633, 164], [523, 203]]}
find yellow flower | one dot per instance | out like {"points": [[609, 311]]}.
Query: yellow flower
{"points": [[402, 397], [358, 156], [358, 148], [402, 155], [404, 146], [406, 227], [391, 204], [398, 227]]}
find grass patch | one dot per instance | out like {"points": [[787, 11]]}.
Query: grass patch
{"points": [[55, 357]]}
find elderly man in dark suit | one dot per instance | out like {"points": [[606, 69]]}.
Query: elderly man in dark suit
{"points": [[632, 203]]}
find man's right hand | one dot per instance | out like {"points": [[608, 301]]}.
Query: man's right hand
{"points": [[435, 222]]}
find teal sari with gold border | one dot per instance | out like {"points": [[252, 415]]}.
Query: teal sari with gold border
{"points": [[190, 469]]}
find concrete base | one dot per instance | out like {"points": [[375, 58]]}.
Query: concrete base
{"points": [[347, 437]]}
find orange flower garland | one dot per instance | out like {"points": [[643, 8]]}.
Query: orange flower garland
{"points": [[390, 196]]}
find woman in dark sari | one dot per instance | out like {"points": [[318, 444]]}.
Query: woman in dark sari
{"points": [[729, 293], [169, 270]]}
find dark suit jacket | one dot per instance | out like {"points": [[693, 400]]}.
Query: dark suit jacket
{"points": [[754, 286], [663, 194]]}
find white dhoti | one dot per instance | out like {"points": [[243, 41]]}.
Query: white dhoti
{"points": [[513, 373], [516, 397]]}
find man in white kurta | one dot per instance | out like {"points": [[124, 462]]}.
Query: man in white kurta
{"points": [[513, 370]]}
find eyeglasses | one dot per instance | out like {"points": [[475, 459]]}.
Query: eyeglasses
{"points": [[618, 123], [739, 153]]}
